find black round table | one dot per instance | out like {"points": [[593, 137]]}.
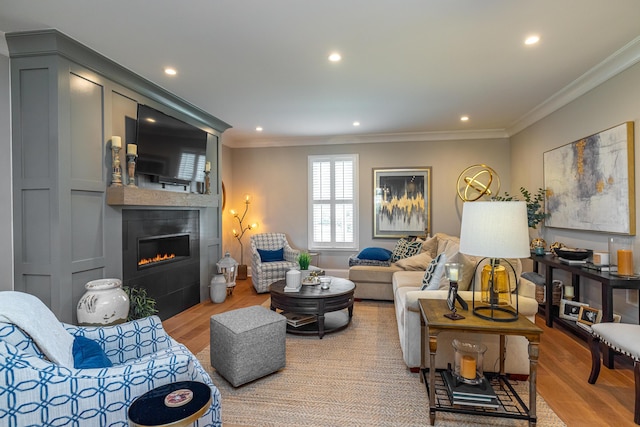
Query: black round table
{"points": [[327, 304], [150, 409]]}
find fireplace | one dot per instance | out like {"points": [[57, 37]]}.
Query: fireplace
{"points": [[157, 250], [161, 253]]}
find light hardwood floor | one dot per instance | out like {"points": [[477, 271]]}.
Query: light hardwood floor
{"points": [[563, 368]]}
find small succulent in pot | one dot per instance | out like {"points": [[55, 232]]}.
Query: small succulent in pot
{"points": [[304, 259]]}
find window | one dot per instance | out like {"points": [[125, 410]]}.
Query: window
{"points": [[333, 202]]}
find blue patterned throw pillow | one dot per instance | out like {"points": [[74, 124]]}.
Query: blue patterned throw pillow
{"points": [[433, 275], [405, 249]]}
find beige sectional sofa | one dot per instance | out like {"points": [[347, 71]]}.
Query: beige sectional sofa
{"points": [[404, 289]]}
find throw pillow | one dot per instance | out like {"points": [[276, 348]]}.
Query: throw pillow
{"points": [[379, 254], [87, 354], [405, 249], [430, 246], [271, 256], [433, 275], [416, 262]]}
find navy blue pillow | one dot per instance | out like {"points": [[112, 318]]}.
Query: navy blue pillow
{"points": [[271, 256], [378, 254], [88, 354]]}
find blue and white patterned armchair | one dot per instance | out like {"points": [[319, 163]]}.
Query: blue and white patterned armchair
{"points": [[264, 274], [36, 391]]}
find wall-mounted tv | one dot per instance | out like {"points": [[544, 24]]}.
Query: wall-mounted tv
{"points": [[169, 150]]}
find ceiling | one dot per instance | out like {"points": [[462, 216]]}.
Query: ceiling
{"points": [[410, 68]]}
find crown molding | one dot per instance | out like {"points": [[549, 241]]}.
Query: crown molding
{"points": [[232, 142], [622, 59]]}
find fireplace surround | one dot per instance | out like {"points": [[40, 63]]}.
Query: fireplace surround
{"points": [[161, 253]]}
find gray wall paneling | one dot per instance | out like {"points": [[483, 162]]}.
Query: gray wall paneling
{"points": [[67, 101]]}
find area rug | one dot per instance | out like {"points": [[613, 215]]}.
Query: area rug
{"points": [[355, 377]]}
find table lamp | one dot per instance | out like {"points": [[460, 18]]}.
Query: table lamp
{"points": [[495, 230]]}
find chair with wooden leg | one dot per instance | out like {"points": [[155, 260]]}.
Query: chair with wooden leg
{"points": [[621, 337]]}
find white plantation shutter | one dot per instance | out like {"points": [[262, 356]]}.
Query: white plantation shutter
{"points": [[333, 202]]}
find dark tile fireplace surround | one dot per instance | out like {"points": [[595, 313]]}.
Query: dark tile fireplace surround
{"points": [[161, 253]]}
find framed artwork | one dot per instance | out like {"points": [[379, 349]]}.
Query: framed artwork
{"points": [[590, 183], [570, 310], [401, 202], [589, 316]]}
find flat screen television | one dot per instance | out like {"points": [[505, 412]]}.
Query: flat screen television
{"points": [[169, 150]]}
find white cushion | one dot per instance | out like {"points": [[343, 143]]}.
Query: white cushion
{"points": [[620, 336]]}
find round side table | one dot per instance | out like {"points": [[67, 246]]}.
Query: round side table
{"points": [[175, 404]]}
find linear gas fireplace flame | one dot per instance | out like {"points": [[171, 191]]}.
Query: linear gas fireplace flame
{"points": [[157, 258], [157, 250]]}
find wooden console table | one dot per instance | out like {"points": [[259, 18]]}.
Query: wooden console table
{"points": [[608, 282]]}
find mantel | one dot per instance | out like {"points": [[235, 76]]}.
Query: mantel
{"points": [[133, 196]]}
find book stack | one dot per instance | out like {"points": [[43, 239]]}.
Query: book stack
{"points": [[464, 394], [597, 267], [572, 261], [296, 320]]}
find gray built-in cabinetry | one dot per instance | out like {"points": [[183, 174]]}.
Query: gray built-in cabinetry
{"points": [[67, 102]]}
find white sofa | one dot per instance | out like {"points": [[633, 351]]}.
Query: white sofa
{"points": [[406, 292]]}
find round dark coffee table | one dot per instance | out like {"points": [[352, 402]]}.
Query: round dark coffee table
{"points": [[175, 404], [327, 304]]}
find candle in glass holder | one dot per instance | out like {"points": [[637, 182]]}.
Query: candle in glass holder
{"points": [[625, 262], [468, 367], [568, 292]]}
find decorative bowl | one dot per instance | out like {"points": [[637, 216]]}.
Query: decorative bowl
{"points": [[573, 254]]}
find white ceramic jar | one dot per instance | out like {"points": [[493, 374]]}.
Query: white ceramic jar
{"points": [[104, 303], [218, 288]]}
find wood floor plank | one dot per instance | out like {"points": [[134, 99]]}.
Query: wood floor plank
{"points": [[563, 368]]}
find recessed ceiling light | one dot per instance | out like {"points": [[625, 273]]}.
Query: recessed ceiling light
{"points": [[356, 123], [464, 118], [532, 40], [335, 57], [259, 129], [170, 71], [150, 120]]}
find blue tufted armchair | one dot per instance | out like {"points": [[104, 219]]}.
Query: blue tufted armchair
{"points": [[36, 391]]}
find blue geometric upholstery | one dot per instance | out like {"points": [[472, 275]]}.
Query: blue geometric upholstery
{"points": [[264, 274], [37, 392]]}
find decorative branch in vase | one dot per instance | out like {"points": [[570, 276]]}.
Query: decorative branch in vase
{"points": [[242, 268]]}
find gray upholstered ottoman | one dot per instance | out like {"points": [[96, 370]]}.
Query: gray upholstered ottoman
{"points": [[247, 343]]}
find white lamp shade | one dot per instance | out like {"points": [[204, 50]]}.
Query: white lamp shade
{"points": [[495, 230]]}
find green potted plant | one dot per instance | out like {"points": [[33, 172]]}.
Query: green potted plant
{"points": [[140, 304], [535, 213], [534, 202], [304, 259]]}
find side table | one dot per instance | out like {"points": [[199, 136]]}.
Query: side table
{"points": [[155, 408], [433, 321]]}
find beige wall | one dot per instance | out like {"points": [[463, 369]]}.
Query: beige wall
{"points": [[276, 178], [614, 102]]}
